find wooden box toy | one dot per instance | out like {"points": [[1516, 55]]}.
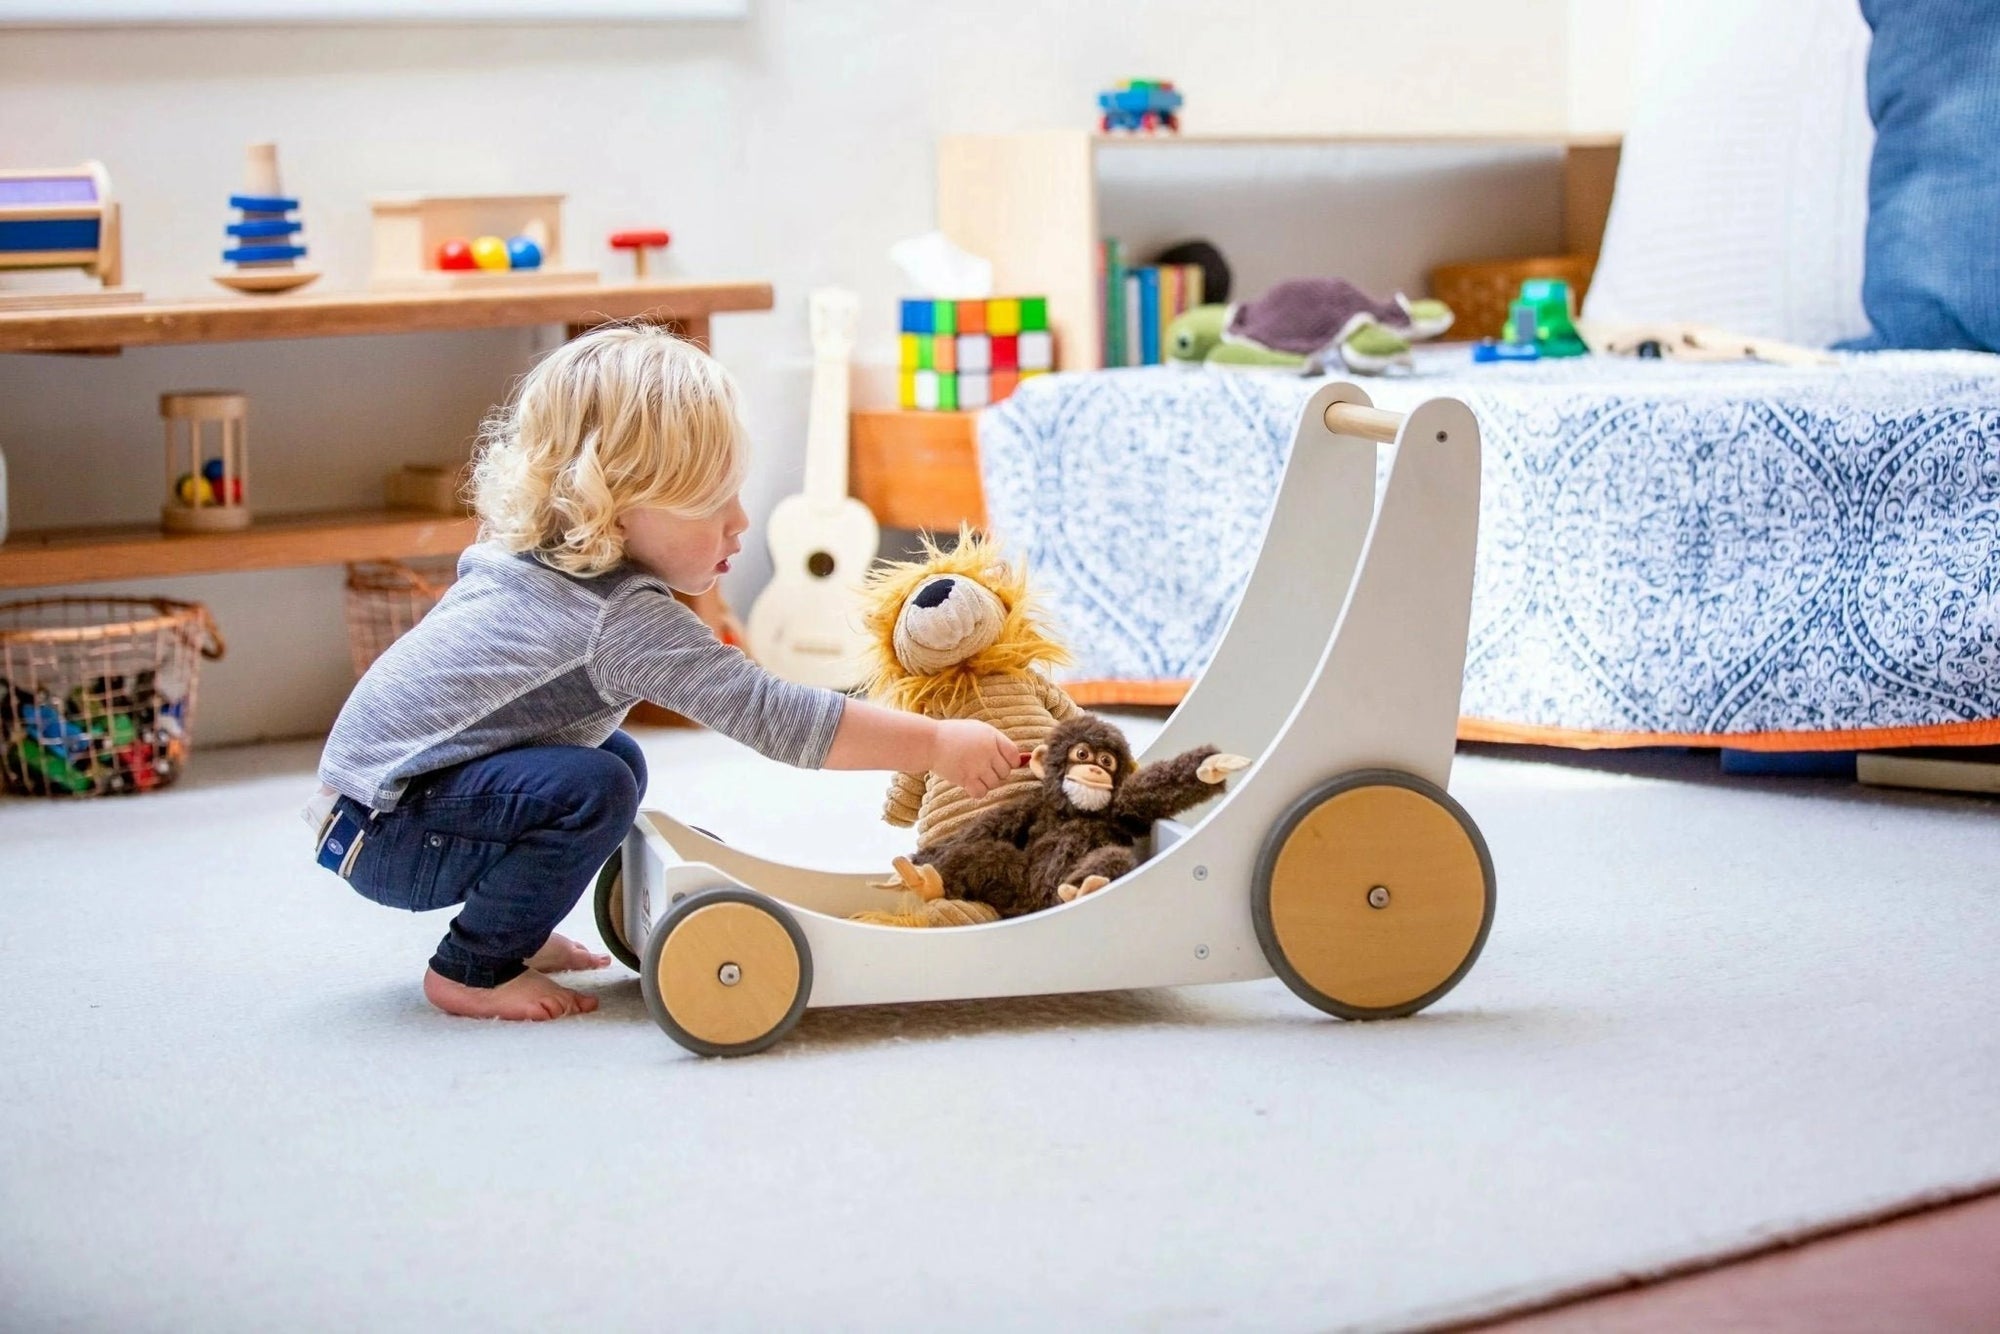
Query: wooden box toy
{"points": [[447, 242], [61, 218]]}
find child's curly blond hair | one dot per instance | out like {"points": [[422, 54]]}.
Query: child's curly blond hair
{"points": [[625, 417]]}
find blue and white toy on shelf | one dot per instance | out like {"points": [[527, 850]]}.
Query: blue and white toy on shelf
{"points": [[1141, 106], [263, 250]]}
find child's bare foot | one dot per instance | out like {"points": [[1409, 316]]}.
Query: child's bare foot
{"points": [[529, 996], [560, 954]]}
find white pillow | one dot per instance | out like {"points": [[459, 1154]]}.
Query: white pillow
{"points": [[1742, 193]]}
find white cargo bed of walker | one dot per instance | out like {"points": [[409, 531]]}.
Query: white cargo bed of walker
{"points": [[1336, 861]]}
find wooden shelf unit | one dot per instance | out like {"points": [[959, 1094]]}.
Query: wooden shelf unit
{"points": [[143, 551], [94, 555], [917, 469], [687, 306], [1028, 203]]}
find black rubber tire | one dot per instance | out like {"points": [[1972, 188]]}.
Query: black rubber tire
{"points": [[1267, 859], [656, 944], [610, 881]]}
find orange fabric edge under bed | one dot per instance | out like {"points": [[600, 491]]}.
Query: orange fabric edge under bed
{"points": [[1165, 694]]}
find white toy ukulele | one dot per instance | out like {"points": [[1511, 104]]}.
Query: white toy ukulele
{"points": [[805, 625]]}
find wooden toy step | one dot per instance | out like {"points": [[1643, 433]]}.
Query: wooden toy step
{"points": [[1373, 895]]}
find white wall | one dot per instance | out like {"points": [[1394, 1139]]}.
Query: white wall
{"points": [[793, 146]]}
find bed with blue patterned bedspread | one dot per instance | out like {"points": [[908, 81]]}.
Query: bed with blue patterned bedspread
{"points": [[1741, 554]]}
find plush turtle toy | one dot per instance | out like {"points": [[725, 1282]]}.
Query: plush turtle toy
{"points": [[1309, 325]]}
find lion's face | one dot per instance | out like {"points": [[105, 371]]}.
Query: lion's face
{"points": [[945, 620]]}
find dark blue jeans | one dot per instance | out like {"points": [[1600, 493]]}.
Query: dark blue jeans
{"points": [[515, 837]]}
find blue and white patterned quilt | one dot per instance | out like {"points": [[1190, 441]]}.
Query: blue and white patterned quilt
{"points": [[1717, 550]]}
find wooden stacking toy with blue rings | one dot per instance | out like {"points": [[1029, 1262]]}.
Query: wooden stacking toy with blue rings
{"points": [[264, 253]]}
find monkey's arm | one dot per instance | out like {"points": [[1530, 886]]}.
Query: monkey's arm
{"points": [[1165, 788], [906, 799], [1007, 820]]}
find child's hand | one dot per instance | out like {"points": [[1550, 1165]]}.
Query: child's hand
{"points": [[974, 755]]}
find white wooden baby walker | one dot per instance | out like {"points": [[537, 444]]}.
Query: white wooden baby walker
{"points": [[1336, 860]]}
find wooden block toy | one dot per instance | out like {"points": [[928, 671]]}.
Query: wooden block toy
{"points": [[640, 243], [1037, 350], [975, 353], [207, 475], [447, 242], [264, 253], [62, 218]]}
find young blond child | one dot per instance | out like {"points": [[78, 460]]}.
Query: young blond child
{"points": [[479, 763]]}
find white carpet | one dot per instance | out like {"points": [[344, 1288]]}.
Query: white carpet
{"points": [[1711, 1012]]}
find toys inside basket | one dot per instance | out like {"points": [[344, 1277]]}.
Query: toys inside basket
{"points": [[386, 598], [97, 694]]}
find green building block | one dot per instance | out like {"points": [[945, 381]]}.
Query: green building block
{"points": [[947, 393], [944, 317], [1034, 314]]}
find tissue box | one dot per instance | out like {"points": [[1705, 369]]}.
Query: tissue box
{"points": [[968, 354]]}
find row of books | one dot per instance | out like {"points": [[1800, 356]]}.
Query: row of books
{"points": [[1137, 303]]}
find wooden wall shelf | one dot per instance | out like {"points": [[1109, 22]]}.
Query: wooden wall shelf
{"points": [[93, 555], [344, 314]]}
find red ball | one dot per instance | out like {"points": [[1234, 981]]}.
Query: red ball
{"points": [[456, 254], [235, 491]]}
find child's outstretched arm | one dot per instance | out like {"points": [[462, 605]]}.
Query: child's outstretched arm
{"points": [[974, 755]]}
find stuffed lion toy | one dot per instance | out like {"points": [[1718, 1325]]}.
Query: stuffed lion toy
{"points": [[957, 635]]}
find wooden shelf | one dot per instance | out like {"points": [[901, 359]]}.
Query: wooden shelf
{"points": [[344, 314], [93, 555], [1028, 202], [917, 469]]}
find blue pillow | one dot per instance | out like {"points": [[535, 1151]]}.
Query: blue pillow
{"points": [[1931, 275]]}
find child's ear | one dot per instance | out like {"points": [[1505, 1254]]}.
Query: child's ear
{"points": [[1038, 762]]}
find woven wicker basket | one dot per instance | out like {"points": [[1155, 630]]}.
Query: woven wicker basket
{"points": [[97, 694], [386, 598], [1480, 293]]}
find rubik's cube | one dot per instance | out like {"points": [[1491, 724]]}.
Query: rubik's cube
{"points": [[965, 355]]}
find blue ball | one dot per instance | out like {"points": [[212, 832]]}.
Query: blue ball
{"points": [[212, 470], [523, 253]]}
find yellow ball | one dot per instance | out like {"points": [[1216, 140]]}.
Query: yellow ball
{"points": [[490, 252], [194, 490]]}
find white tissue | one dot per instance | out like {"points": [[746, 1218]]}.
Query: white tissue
{"points": [[933, 265]]}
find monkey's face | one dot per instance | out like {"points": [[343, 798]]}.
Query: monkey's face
{"points": [[1084, 762]]}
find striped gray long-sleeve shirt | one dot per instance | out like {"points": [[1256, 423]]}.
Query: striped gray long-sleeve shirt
{"points": [[520, 654]]}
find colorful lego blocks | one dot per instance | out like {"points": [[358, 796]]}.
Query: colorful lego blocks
{"points": [[966, 355]]}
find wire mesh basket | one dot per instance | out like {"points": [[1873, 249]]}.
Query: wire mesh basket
{"points": [[97, 694], [385, 598]]}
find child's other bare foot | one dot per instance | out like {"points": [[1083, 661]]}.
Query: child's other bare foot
{"points": [[560, 954], [529, 996]]}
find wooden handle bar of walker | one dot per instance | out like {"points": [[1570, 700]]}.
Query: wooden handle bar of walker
{"points": [[1378, 424]]}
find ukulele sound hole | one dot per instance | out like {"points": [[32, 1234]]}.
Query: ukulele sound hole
{"points": [[819, 564]]}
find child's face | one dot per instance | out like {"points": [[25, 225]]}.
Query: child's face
{"points": [[690, 554]]}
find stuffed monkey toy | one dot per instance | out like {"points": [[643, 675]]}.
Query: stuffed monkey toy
{"points": [[1073, 832]]}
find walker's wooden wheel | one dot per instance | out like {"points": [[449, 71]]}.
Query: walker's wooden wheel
{"points": [[610, 904], [727, 972], [1373, 895]]}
